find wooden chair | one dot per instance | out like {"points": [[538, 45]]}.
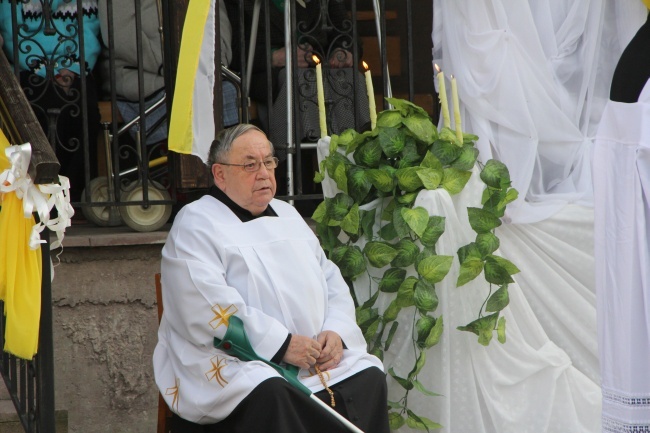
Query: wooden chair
{"points": [[164, 413]]}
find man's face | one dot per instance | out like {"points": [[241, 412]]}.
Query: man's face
{"points": [[251, 190]]}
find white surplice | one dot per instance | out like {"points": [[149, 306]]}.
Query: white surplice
{"points": [[621, 171], [273, 274]]}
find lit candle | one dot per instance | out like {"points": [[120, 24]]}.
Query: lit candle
{"points": [[454, 100], [321, 97], [443, 97], [371, 97]]}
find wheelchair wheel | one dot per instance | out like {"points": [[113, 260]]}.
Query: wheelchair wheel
{"points": [[103, 216], [143, 219]]}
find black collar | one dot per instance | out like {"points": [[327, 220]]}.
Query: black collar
{"points": [[243, 214]]}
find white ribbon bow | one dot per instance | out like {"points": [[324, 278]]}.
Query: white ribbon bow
{"points": [[40, 199]]}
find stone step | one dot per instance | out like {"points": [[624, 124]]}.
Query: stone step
{"points": [[10, 422]]}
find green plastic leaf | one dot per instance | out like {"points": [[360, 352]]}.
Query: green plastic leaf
{"points": [[482, 221], [401, 227], [416, 218], [406, 384], [487, 243], [435, 268], [454, 180], [495, 174], [407, 108], [371, 331], [379, 253], [420, 423], [423, 326], [339, 206], [340, 177], [467, 158], [506, 264], [391, 280], [320, 213], [435, 333], [424, 254], [430, 178], [350, 260], [368, 222], [406, 293], [501, 330], [430, 161], [449, 135], [435, 229], [410, 156], [358, 184], [370, 302], [369, 154], [499, 300], [387, 213], [389, 119], [318, 177], [467, 251], [391, 334], [421, 127], [425, 296], [395, 420], [350, 223], [359, 140], [445, 151], [482, 327], [469, 269], [365, 316], [334, 143], [407, 199], [395, 405], [380, 179], [418, 385], [495, 273], [408, 179], [346, 137], [407, 252], [419, 363], [328, 236], [391, 141], [392, 311], [387, 232]]}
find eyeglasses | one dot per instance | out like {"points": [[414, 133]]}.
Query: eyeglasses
{"points": [[254, 166]]}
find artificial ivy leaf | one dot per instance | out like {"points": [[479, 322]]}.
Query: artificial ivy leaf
{"points": [[350, 223], [435, 333], [377, 352], [391, 141], [469, 269], [416, 218], [510, 196], [371, 331], [406, 293], [481, 220], [499, 300], [391, 334], [391, 280], [449, 135], [409, 156], [365, 316], [425, 253], [389, 119], [425, 296], [350, 260], [435, 268], [487, 193], [430, 161], [346, 137], [395, 405], [407, 199], [340, 177], [318, 177], [421, 127], [407, 252], [329, 236], [423, 327], [379, 253], [368, 222], [406, 107], [467, 158], [423, 390], [334, 143], [401, 227], [454, 180], [369, 154], [408, 179], [482, 327], [339, 206], [358, 184], [381, 179], [495, 273], [501, 330], [358, 140], [467, 251], [495, 174], [387, 232], [420, 423], [395, 420], [492, 202], [370, 302], [505, 263], [435, 229], [430, 178], [320, 212], [419, 363], [487, 243], [445, 151], [406, 384], [391, 312]]}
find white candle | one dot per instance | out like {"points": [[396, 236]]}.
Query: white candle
{"points": [[321, 98], [443, 98], [371, 97], [454, 100]]}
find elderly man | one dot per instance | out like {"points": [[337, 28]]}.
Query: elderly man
{"points": [[238, 251]]}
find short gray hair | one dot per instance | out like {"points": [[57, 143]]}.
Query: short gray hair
{"points": [[223, 143]]}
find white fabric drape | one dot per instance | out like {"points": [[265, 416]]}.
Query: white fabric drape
{"points": [[533, 78], [622, 217]]}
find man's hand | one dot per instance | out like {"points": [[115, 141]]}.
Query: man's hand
{"points": [[302, 351], [332, 351], [303, 59]]}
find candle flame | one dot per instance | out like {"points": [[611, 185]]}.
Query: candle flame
{"points": [[435, 65], [365, 65], [315, 59]]}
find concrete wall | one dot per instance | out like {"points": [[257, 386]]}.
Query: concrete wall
{"points": [[105, 330]]}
